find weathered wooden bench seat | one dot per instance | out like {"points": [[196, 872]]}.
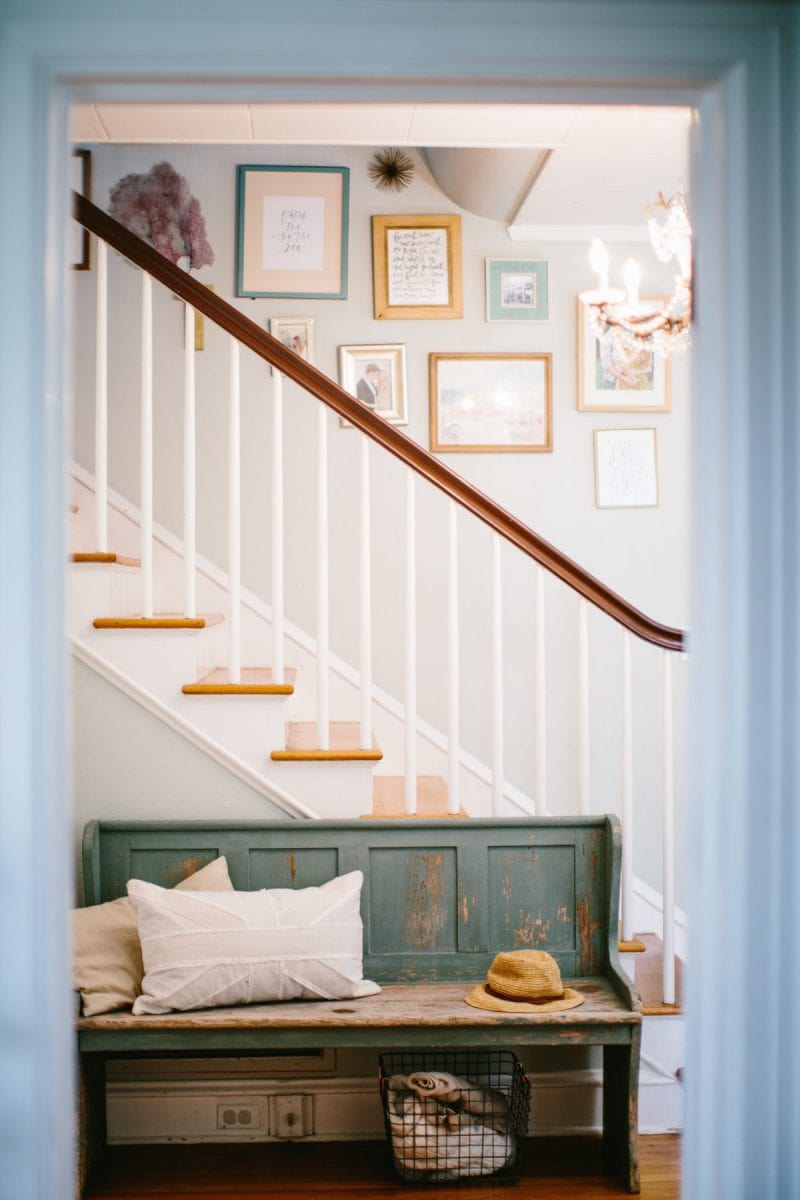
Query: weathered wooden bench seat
{"points": [[440, 899]]}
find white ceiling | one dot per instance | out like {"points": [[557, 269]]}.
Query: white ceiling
{"points": [[607, 163]]}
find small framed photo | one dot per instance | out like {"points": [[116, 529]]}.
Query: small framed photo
{"points": [[416, 264], [296, 333], [81, 182], [626, 473], [609, 382], [292, 236], [516, 290], [491, 402], [376, 375]]}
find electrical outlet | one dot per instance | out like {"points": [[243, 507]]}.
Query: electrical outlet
{"points": [[239, 1117], [287, 1117]]}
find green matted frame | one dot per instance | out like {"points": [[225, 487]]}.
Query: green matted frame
{"points": [[517, 290], [304, 211]]}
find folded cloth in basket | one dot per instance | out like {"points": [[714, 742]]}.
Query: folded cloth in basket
{"points": [[487, 1104]]}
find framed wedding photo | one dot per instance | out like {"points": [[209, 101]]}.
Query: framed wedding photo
{"points": [[626, 473], [292, 235], [492, 403], [376, 375], [416, 265], [516, 290], [296, 333], [612, 382]]}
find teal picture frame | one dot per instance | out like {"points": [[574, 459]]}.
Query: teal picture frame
{"points": [[292, 231], [517, 290]]}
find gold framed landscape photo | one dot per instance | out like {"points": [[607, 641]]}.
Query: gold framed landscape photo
{"points": [[620, 383], [626, 472], [292, 235], [376, 375], [296, 333], [516, 290], [416, 264], [491, 402]]}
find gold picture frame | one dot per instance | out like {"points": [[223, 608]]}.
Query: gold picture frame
{"points": [[416, 263], [491, 403]]}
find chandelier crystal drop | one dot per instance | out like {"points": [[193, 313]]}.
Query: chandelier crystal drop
{"points": [[627, 326]]}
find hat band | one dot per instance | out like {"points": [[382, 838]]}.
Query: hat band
{"points": [[524, 999]]}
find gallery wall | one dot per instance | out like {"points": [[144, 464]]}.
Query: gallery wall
{"points": [[640, 552]]}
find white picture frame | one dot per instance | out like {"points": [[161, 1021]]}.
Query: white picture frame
{"points": [[382, 389], [601, 388], [626, 468], [296, 333]]}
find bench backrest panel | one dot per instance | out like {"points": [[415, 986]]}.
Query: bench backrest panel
{"points": [[440, 898]]}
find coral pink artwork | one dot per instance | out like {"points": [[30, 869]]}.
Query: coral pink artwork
{"points": [[160, 209]]}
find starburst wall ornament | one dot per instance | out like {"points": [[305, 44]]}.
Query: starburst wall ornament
{"points": [[391, 170]]}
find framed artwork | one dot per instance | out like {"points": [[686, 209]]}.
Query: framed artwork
{"points": [[296, 333], [376, 375], [491, 402], [292, 236], [627, 383], [416, 264], [626, 474], [516, 290], [81, 182]]}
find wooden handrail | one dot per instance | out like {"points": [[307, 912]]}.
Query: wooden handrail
{"points": [[374, 426]]}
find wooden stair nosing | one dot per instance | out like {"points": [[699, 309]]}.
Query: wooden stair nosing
{"points": [[107, 558], [254, 681], [373, 755], [163, 621], [344, 744]]}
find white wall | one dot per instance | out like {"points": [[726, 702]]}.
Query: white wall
{"points": [[640, 552]]}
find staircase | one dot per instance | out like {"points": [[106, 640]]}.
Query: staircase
{"points": [[307, 731]]}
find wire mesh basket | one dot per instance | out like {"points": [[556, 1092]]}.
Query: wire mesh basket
{"points": [[455, 1115]]}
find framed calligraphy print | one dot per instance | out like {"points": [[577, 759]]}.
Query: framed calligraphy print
{"points": [[292, 237], [416, 263]]}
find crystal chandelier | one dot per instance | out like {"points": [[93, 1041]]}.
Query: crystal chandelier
{"points": [[627, 326]]}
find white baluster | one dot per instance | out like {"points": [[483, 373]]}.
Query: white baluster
{"points": [[146, 463], [101, 403], [278, 668], [453, 664], [189, 468], [627, 792], [583, 707], [497, 679], [410, 786], [365, 632], [540, 701], [668, 834], [323, 616], [234, 521]]}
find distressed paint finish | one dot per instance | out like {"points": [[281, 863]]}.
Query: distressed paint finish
{"points": [[437, 903]]}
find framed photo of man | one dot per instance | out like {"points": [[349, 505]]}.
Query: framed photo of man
{"points": [[376, 376]]}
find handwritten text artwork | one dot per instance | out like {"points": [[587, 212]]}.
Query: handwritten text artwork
{"points": [[294, 233], [417, 266]]}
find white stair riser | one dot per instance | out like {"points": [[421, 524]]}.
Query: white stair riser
{"points": [[249, 726], [160, 660], [98, 590], [343, 789]]}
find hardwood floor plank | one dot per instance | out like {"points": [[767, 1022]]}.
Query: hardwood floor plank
{"points": [[554, 1169]]}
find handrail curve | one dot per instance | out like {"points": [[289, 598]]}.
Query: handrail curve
{"points": [[421, 461]]}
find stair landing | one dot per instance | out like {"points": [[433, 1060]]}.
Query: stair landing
{"points": [[344, 737], [388, 798], [255, 681]]}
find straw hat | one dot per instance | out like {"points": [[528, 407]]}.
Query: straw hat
{"points": [[527, 981]]}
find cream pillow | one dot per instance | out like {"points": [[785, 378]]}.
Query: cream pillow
{"points": [[212, 949], [106, 957]]}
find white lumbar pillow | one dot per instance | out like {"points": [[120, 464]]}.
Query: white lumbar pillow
{"points": [[213, 949]]}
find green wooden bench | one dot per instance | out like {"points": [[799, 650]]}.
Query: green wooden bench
{"points": [[440, 899]]}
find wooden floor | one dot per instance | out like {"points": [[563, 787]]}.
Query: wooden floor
{"points": [[554, 1169]]}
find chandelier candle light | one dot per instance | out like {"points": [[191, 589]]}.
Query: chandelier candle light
{"points": [[623, 322]]}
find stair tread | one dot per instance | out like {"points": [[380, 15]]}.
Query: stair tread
{"points": [[109, 558], [388, 796], [345, 744], [649, 981], [159, 621], [255, 681]]}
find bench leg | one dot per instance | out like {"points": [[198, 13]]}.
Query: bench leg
{"points": [[621, 1109], [91, 1132]]}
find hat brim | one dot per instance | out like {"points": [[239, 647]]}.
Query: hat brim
{"points": [[481, 997]]}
